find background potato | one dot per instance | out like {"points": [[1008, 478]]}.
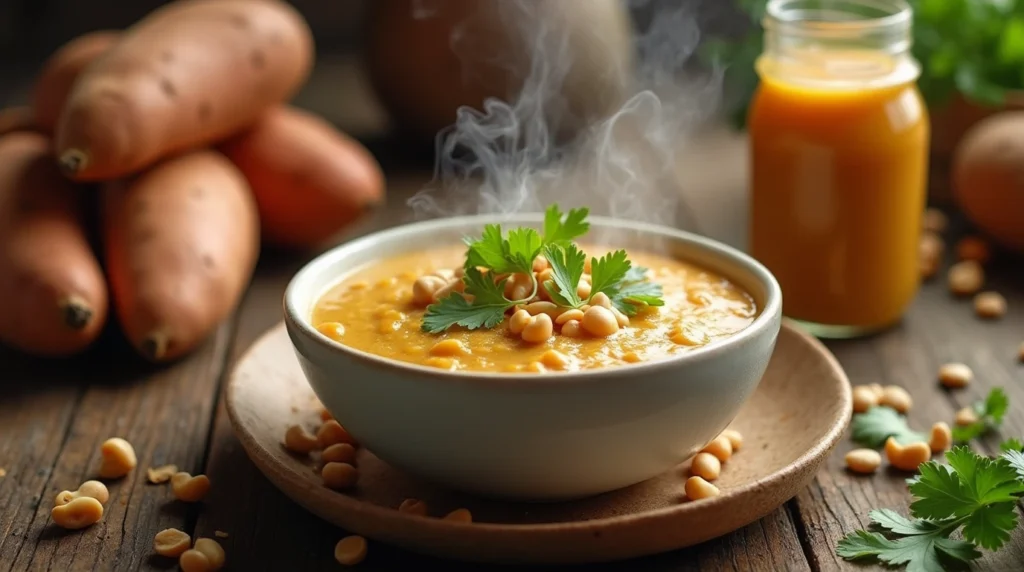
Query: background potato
{"points": [[309, 179], [190, 73], [181, 241], [53, 299], [58, 75]]}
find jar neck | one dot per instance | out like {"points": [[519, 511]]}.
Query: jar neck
{"points": [[839, 42]]}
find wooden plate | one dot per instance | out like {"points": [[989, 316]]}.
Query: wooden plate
{"points": [[790, 425]]}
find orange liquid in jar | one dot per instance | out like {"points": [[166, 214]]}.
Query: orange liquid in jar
{"points": [[838, 185]]}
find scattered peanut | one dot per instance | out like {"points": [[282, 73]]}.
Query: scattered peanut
{"points": [[118, 458], [298, 440], [599, 321], [90, 489], [518, 321], [162, 474], [424, 288], [573, 314], [413, 506], [207, 556], [864, 461], [955, 375], [941, 437], [735, 438], [909, 457], [863, 399], [973, 248], [966, 416], [706, 466], [332, 433], [350, 550], [171, 542], [935, 220], [697, 488], [966, 278], [460, 515], [990, 305], [187, 488], [339, 476], [573, 329], [539, 329], [720, 447], [896, 397], [78, 513], [339, 453]]}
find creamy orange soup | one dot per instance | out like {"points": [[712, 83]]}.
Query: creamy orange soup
{"points": [[373, 310]]}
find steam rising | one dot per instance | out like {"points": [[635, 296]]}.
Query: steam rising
{"points": [[538, 147]]}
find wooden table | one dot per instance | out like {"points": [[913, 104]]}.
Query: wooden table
{"points": [[54, 415]]}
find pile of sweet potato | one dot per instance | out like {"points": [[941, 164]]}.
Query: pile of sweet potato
{"points": [[180, 124]]}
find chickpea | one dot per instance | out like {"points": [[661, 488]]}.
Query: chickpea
{"points": [[735, 438], [720, 447], [973, 248], [518, 286], [573, 314], [909, 457], [88, 489], [863, 399], [453, 285], [78, 513], [448, 348], [187, 488], [339, 453], [554, 359], [966, 416], [298, 440], [518, 321], [863, 461], [572, 329], [896, 397], [460, 515], [160, 475], [620, 318], [549, 308], [877, 389], [990, 305], [941, 437], [583, 290], [599, 321], [118, 458], [413, 506], [350, 550], [538, 330], [706, 466], [966, 278], [445, 274], [424, 288], [697, 488], [171, 542], [935, 220], [955, 375], [331, 433], [601, 299], [339, 476], [545, 275]]}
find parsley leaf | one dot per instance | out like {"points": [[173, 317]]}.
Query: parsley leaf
{"points": [[877, 424], [567, 265], [636, 292], [990, 416], [608, 271], [557, 231], [523, 245], [456, 310], [920, 553], [488, 251]]}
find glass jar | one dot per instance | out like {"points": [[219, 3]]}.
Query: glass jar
{"points": [[839, 140]]}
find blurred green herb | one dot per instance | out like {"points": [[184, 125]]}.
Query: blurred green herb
{"points": [[873, 427], [990, 414]]}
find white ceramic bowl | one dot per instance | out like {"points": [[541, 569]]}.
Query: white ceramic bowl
{"points": [[554, 436]]}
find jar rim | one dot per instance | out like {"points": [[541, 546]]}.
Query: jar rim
{"points": [[891, 13]]}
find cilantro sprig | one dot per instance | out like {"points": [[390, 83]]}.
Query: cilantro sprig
{"points": [[495, 255], [972, 493], [990, 414]]}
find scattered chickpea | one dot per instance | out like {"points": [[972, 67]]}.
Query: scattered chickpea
{"points": [[298, 440], [332, 433], [863, 399], [187, 488], [935, 220], [339, 476], [424, 288], [573, 314], [909, 457], [990, 305], [333, 330], [554, 359], [88, 489], [118, 458], [697, 488], [539, 329], [78, 513], [413, 506], [162, 474], [601, 299], [973, 248], [863, 461], [966, 278], [350, 550], [706, 466], [941, 437], [206, 556], [572, 329], [896, 397], [460, 515], [448, 348], [965, 416], [518, 321], [955, 375], [339, 453], [599, 321], [720, 447], [171, 542], [735, 438]]}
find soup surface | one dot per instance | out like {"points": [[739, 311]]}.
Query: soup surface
{"points": [[373, 310]]}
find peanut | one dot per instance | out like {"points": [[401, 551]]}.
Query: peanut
{"points": [[896, 397], [187, 488], [91, 489], [160, 474], [339, 476], [990, 305], [935, 220], [118, 458], [697, 488], [298, 440], [909, 457], [706, 466], [332, 433], [78, 513], [864, 461], [966, 416], [720, 447], [966, 278], [599, 321], [572, 329], [518, 321], [735, 438], [955, 375], [941, 437], [339, 453], [350, 550], [863, 399], [171, 542], [207, 556]]}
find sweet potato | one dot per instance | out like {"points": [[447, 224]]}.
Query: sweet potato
{"points": [[309, 179], [54, 82], [180, 243], [17, 118], [191, 73], [53, 299]]}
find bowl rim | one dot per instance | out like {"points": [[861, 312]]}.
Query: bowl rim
{"points": [[769, 317]]}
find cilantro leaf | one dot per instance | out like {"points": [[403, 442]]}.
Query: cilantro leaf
{"points": [[895, 522], [939, 493], [456, 310], [920, 553], [990, 413], [608, 271], [523, 245], [1011, 444], [877, 424], [484, 290], [488, 251], [557, 231], [567, 265], [989, 526]]}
